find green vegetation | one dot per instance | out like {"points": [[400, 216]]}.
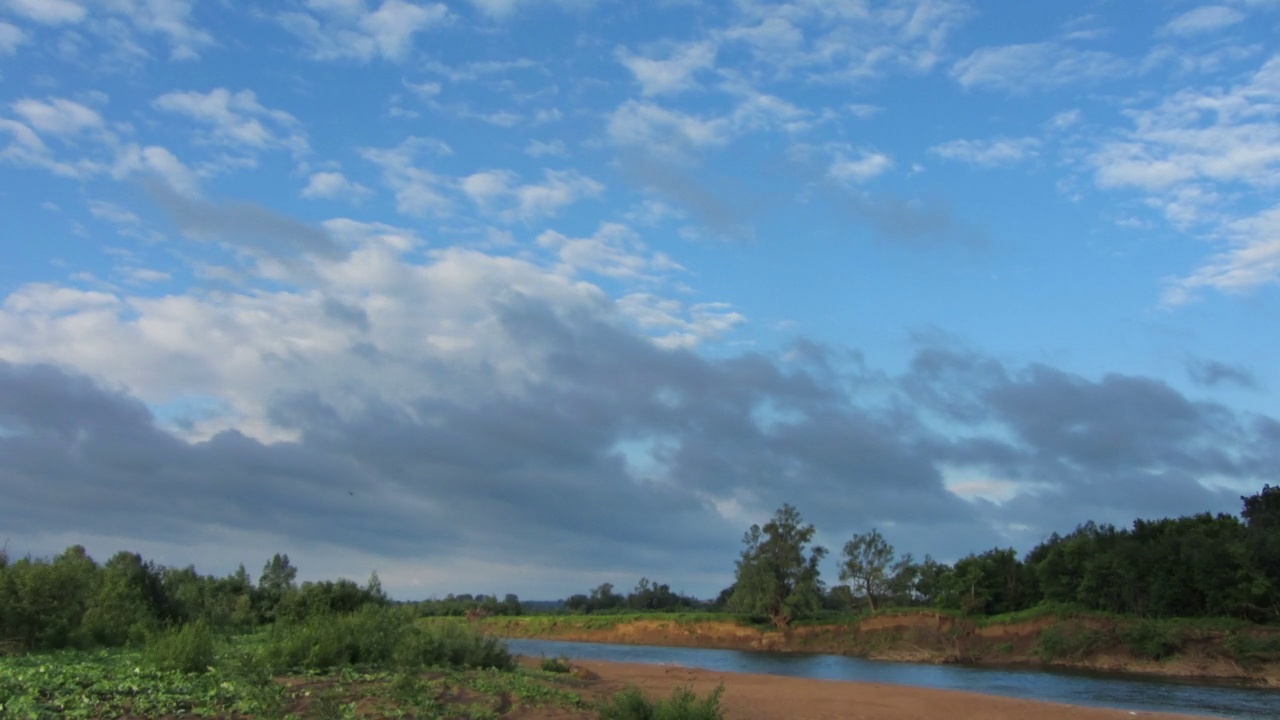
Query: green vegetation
{"points": [[775, 577], [1069, 640], [191, 672], [683, 704], [1152, 639], [555, 665]]}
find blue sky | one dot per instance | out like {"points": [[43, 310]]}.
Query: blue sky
{"points": [[529, 295]]}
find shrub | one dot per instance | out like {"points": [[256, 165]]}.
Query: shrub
{"points": [[376, 636], [452, 644], [1151, 639], [1068, 641], [1249, 649], [556, 664], [683, 704], [188, 649], [324, 642]]}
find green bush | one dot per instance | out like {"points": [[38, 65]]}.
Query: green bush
{"points": [[380, 637], [188, 649], [1152, 639], [451, 644], [684, 704], [1249, 649], [556, 664], [1069, 641]]}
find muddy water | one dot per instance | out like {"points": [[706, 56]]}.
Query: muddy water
{"points": [[1077, 688]]}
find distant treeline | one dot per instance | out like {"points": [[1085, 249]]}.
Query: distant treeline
{"points": [[1196, 566], [72, 601]]}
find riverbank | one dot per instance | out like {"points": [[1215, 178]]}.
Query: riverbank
{"points": [[771, 697], [1082, 642]]}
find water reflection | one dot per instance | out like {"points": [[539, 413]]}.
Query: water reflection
{"points": [[1079, 688]]}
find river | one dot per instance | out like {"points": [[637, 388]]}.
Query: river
{"points": [[1125, 692]]}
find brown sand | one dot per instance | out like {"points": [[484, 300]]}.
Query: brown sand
{"points": [[771, 697]]}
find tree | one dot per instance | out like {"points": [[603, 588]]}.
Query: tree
{"points": [[869, 564], [774, 576], [276, 584]]}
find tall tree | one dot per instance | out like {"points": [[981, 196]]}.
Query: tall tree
{"points": [[276, 585], [868, 564], [774, 576]]}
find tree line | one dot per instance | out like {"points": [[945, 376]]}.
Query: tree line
{"points": [[1193, 566], [73, 601]]}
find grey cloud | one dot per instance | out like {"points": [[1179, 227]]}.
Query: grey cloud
{"points": [[347, 314], [248, 226], [545, 471], [1212, 373], [911, 221], [710, 207]]}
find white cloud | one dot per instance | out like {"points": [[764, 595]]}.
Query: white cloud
{"points": [[681, 327], [113, 213], [58, 116], [418, 191], [673, 74], [1019, 68], [503, 9], [26, 148], [498, 192], [842, 42], [670, 132], [169, 18], [613, 251], [1065, 119], [49, 12], [992, 152], [553, 148], [334, 186], [1189, 154], [146, 275], [863, 111], [1251, 260], [1205, 19], [237, 119], [348, 30], [10, 38], [860, 166], [159, 162]]}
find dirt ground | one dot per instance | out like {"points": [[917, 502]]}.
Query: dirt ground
{"points": [[768, 697]]}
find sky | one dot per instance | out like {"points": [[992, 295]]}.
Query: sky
{"points": [[531, 295]]}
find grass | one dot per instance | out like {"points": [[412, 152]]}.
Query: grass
{"points": [[372, 667], [375, 637], [1152, 639], [555, 665], [683, 704], [1069, 640]]}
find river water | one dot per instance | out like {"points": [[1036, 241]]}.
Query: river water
{"points": [[1125, 692]]}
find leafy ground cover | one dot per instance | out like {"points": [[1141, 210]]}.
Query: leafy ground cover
{"points": [[370, 666], [122, 684]]}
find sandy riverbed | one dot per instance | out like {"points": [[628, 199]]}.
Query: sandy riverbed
{"points": [[770, 697]]}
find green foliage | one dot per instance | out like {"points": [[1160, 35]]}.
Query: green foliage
{"points": [[774, 576], [91, 685], [380, 637], [876, 572], [189, 649], [555, 664], [1152, 639], [1069, 641], [1248, 648], [684, 704], [451, 644]]}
